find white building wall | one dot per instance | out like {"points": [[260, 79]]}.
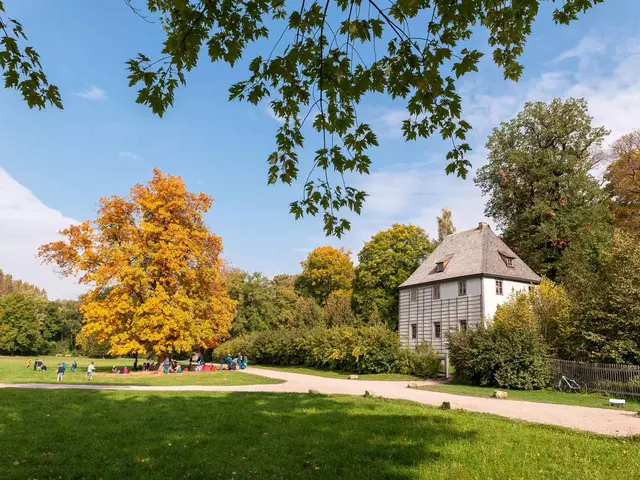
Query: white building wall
{"points": [[492, 299]]}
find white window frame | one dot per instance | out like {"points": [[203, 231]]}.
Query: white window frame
{"points": [[462, 288], [436, 291], [413, 295], [414, 331], [499, 287], [464, 325], [440, 267], [437, 329]]}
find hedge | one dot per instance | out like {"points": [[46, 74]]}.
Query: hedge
{"points": [[370, 349], [499, 356]]}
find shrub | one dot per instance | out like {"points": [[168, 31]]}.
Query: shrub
{"points": [[423, 361], [500, 356], [369, 349]]}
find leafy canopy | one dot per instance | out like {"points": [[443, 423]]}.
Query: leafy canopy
{"points": [[325, 270], [539, 182], [154, 270], [384, 262], [623, 175], [445, 225], [324, 57]]}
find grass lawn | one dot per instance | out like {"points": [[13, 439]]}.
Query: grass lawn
{"points": [[337, 374], [161, 435], [13, 370], [543, 396]]}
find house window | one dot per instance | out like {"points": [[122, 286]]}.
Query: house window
{"points": [[440, 267], [436, 291], [414, 331], [499, 287], [509, 262], [462, 287], [463, 325], [414, 294], [530, 288], [437, 330]]}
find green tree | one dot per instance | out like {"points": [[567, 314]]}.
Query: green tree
{"points": [[9, 285], [445, 225], [322, 59], [325, 270], [307, 313], [623, 175], [384, 262], [262, 303], [604, 284], [338, 311], [63, 321], [538, 179], [544, 310], [22, 324]]}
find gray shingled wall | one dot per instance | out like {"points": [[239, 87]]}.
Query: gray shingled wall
{"points": [[426, 310]]}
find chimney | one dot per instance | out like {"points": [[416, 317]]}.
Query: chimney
{"points": [[483, 225]]}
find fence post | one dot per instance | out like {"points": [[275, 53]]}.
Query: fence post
{"points": [[447, 372]]}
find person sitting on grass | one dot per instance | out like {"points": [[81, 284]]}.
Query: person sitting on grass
{"points": [[243, 364], [125, 370], [179, 368], [114, 369], [43, 367]]}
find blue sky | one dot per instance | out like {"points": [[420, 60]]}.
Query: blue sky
{"points": [[55, 165]]}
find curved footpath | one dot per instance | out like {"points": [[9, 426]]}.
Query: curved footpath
{"points": [[596, 420]]}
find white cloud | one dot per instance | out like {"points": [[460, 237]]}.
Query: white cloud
{"points": [[130, 155], [588, 48], [92, 93], [26, 223], [391, 191], [273, 115]]}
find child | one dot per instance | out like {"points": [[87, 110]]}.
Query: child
{"points": [[74, 365], [125, 370], [90, 370], [28, 364], [60, 371]]}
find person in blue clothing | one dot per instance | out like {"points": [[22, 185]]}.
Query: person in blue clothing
{"points": [[61, 369], [74, 366], [167, 362]]}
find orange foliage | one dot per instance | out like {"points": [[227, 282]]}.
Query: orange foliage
{"points": [[154, 269]]}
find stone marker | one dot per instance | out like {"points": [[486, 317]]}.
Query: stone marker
{"points": [[370, 394], [451, 406], [353, 377], [314, 391], [500, 394], [412, 385]]}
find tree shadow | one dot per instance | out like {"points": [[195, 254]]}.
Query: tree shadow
{"points": [[113, 435]]}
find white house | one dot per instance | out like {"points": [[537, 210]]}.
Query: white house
{"points": [[459, 285]]}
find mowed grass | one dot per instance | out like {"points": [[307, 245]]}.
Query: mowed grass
{"points": [[542, 396], [161, 435], [338, 374], [13, 370]]}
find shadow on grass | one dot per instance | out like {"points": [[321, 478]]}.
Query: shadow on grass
{"points": [[113, 435]]}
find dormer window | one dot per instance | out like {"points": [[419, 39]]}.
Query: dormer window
{"points": [[440, 267], [509, 262]]}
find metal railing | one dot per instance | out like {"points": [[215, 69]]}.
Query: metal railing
{"points": [[621, 380]]}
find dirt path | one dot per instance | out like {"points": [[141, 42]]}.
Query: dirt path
{"points": [[596, 420]]}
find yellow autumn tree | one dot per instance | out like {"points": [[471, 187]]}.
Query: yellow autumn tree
{"points": [[154, 270]]}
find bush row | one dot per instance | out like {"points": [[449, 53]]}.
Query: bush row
{"points": [[500, 356], [369, 349]]}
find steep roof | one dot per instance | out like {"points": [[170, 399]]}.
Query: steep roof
{"points": [[476, 252]]}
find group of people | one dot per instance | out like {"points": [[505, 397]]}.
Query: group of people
{"points": [[39, 366], [240, 362], [62, 368]]}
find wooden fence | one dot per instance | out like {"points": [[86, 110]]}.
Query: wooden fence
{"points": [[622, 380]]}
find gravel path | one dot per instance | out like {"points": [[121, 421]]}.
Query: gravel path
{"points": [[596, 420]]}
